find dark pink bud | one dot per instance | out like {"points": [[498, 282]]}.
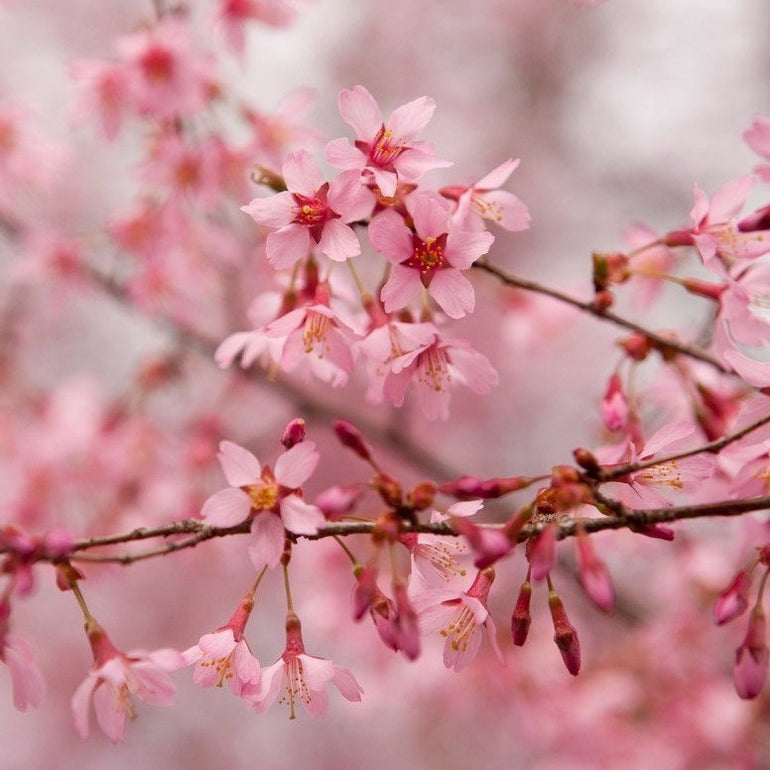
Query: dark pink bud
{"points": [[472, 488], [704, 288], [758, 220], [293, 433], [752, 657], [734, 600], [542, 552], [637, 346], [593, 574], [351, 437], [656, 531], [422, 496], [565, 634], [521, 619], [337, 501]]}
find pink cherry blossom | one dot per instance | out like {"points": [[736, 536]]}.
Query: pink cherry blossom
{"points": [[432, 257], [458, 617], [387, 152], [593, 574], [484, 201], [311, 211], [297, 676], [115, 677], [734, 600], [26, 677], [219, 657], [106, 92], [400, 355], [752, 657], [271, 498], [234, 14]]}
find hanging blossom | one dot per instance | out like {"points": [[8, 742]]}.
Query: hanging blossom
{"points": [[272, 498], [297, 676], [483, 200], [311, 211], [234, 15], [384, 152], [115, 677], [431, 257], [16, 653], [400, 355]]}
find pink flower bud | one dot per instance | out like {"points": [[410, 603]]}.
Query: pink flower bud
{"points": [[542, 552], [422, 496], [472, 488], [351, 437], [293, 433], [487, 544], [656, 531], [593, 574], [521, 619], [752, 657], [614, 405], [565, 635], [734, 600]]}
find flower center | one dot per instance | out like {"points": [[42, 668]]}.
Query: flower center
{"points": [[427, 255], [433, 368], [157, 64], [487, 209], [314, 333], [296, 686], [460, 629], [383, 150], [264, 495]]}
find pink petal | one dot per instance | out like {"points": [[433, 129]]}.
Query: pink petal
{"points": [[267, 540], [340, 153], [497, 176], [295, 466], [402, 288], [391, 237], [287, 245], [430, 213], [270, 687], [728, 200], [464, 247], [274, 211], [387, 181], [408, 120], [302, 173], [300, 517], [758, 136], [346, 683], [453, 292], [110, 712], [226, 508], [359, 110], [413, 163], [338, 241], [510, 211], [239, 465], [700, 208]]}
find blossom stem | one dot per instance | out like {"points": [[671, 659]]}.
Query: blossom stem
{"points": [[287, 588], [347, 550]]}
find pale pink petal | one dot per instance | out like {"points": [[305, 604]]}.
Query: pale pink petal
{"points": [[226, 508], [453, 292], [295, 466], [413, 163], [239, 465], [464, 247], [81, 702], [664, 437], [338, 241], [408, 120], [430, 213], [472, 368], [391, 237], [110, 712], [230, 348], [274, 211], [346, 683], [217, 645], [340, 153], [302, 173], [756, 373], [506, 209], [26, 678], [285, 246], [758, 136], [700, 208], [270, 686], [387, 181], [465, 508], [728, 200], [359, 110], [497, 177], [300, 517], [458, 653], [247, 669], [165, 658], [402, 288], [349, 197], [267, 540]]}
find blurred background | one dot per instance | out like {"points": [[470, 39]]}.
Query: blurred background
{"points": [[111, 417]]}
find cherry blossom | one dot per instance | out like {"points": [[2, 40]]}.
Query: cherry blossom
{"points": [[311, 210], [433, 256], [26, 677], [299, 677], [758, 138], [388, 152], [271, 498]]}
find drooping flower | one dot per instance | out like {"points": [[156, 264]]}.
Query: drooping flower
{"points": [[299, 677], [311, 211], [16, 653], [115, 677], [734, 600], [752, 657], [431, 257], [272, 498], [386, 152]]}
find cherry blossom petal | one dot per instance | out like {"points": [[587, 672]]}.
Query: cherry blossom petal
{"points": [[300, 517], [453, 292], [430, 213], [408, 120], [729, 199], [510, 211], [387, 181], [295, 466], [340, 153], [338, 241], [302, 173], [464, 247], [359, 110], [498, 176], [226, 508], [287, 245], [391, 237], [81, 704], [274, 211], [239, 465], [402, 287], [267, 540], [110, 712]]}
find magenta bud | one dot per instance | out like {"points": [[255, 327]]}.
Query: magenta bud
{"points": [[352, 438], [487, 544], [521, 619], [752, 657], [614, 405], [293, 433], [565, 635], [472, 488], [734, 600], [656, 531]]}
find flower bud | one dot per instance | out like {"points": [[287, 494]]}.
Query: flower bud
{"points": [[565, 634], [637, 346], [293, 433], [470, 487], [734, 600], [422, 496], [542, 552], [752, 657], [521, 619], [614, 405], [351, 437]]}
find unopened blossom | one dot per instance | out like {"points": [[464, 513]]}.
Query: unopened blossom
{"points": [[734, 600], [115, 677], [272, 499], [301, 678], [521, 619], [402, 356], [16, 653], [565, 635], [541, 551], [387, 152], [311, 211], [758, 138], [614, 405], [433, 257], [225, 656], [484, 201], [752, 657], [458, 617]]}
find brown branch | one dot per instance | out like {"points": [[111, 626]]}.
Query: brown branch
{"points": [[606, 315]]}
